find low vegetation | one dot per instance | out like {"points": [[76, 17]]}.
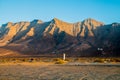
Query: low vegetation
{"points": [[60, 60]]}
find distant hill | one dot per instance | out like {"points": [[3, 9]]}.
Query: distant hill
{"points": [[86, 38]]}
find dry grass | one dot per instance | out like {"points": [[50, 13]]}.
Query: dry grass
{"points": [[59, 60], [97, 60]]}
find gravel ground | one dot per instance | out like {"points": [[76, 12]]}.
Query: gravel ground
{"points": [[43, 71]]}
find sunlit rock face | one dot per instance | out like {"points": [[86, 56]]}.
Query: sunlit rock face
{"points": [[58, 36]]}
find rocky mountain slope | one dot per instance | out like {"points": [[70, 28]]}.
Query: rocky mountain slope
{"points": [[56, 36]]}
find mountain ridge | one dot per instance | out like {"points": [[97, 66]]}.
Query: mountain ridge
{"points": [[58, 36]]}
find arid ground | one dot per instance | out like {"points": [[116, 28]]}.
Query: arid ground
{"points": [[51, 71]]}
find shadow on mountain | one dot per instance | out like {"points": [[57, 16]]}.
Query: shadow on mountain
{"points": [[108, 38], [88, 38], [61, 43]]}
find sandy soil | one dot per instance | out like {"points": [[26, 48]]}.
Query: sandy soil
{"points": [[50, 71]]}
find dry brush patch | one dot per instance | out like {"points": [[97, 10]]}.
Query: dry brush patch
{"points": [[60, 60]]}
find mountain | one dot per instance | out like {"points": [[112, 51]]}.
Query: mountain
{"points": [[56, 36]]}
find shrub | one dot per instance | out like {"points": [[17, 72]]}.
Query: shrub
{"points": [[57, 59], [60, 62], [115, 60], [99, 60]]}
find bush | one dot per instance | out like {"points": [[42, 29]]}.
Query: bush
{"points": [[117, 60], [99, 60], [59, 61]]}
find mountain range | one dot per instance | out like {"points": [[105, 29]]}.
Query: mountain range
{"points": [[86, 38]]}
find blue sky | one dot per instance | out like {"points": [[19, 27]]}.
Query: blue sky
{"points": [[107, 11]]}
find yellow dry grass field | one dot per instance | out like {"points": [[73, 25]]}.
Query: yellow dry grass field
{"points": [[48, 70]]}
